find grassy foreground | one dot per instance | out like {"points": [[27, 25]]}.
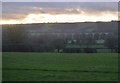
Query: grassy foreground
{"points": [[59, 66]]}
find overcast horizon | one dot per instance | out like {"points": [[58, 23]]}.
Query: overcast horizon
{"points": [[44, 12]]}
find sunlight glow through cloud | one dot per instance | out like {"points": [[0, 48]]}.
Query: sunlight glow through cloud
{"points": [[45, 18], [9, 22]]}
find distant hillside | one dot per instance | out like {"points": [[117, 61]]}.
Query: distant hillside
{"points": [[69, 27]]}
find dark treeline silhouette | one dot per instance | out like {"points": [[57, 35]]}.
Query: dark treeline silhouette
{"points": [[55, 37]]}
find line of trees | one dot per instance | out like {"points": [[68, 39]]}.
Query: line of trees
{"points": [[16, 38]]}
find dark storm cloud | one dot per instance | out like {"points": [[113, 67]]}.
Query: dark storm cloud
{"points": [[21, 9]]}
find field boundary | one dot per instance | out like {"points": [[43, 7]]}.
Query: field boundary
{"points": [[61, 70]]}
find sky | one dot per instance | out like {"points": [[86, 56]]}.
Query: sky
{"points": [[46, 12], [59, 0]]}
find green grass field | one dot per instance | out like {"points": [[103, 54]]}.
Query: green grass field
{"points": [[60, 66]]}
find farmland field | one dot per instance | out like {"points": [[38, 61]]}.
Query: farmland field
{"points": [[59, 66]]}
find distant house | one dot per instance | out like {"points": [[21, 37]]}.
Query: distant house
{"points": [[101, 41]]}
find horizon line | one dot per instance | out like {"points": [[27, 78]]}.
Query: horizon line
{"points": [[63, 22]]}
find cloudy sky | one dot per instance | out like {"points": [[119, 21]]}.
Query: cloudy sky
{"points": [[44, 12]]}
